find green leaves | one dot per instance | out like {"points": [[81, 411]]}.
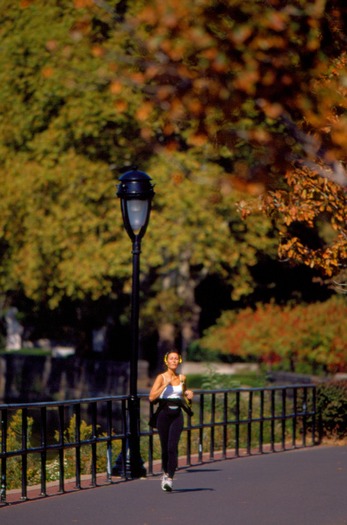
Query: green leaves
{"points": [[196, 231]]}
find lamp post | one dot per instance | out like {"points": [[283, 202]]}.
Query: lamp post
{"points": [[135, 191]]}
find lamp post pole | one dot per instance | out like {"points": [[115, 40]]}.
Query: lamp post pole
{"points": [[136, 192]]}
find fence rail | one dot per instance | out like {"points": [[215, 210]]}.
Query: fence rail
{"points": [[60, 441]]}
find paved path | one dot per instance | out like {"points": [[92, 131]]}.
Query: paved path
{"points": [[302, 487]]}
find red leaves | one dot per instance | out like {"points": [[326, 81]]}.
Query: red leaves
{"points": [[304, 337]]}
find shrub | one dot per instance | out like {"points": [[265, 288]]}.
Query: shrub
{"points": [[197, 354], [332, 404], [306, 338], [13, 443], [86, 433]]}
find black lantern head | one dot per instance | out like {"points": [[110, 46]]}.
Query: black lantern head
{"points": [[136, 193]]}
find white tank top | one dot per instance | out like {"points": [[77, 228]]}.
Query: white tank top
{"points": [[172, 391]]}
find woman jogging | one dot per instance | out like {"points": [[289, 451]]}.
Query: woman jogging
{"points": [[170, 390]]}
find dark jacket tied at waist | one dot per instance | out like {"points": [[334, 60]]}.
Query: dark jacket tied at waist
{"points": [[185, 405]]}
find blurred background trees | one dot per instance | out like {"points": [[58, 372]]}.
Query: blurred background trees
{"points": [[238, 113]]}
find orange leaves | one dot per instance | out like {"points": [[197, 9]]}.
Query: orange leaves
{"points": [[339, 133], [144, 111], [241, 33], [277, 20], [164, 92], [25, 3], [136, 77], [322, 206], [260, 82], [177, 177], [47, 72], [52, 45], [271, 110], [116, 87], [146, 133], [247, 47], [80, 4], [121, 105], [246, 81], [197, 139], [195, 106], [98, 51]]}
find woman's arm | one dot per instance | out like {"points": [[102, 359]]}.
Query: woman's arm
{"points": [[188, 393], [158, 387]]}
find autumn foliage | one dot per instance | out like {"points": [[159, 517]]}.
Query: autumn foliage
{"points": [[303, 338], [236, 109], [264, 83], [313, 201]]}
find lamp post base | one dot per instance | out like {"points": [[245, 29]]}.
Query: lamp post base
{"points": [[133, 465], [129, 469]]}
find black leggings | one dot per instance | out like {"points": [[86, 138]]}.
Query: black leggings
{"points": [[170, 426]]}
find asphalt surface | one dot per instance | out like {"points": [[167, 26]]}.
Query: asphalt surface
{"points": [[301, 487]]}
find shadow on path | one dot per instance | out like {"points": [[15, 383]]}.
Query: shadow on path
{"points": [[175, 491]]}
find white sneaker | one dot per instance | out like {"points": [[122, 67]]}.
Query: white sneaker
{"points": [[167, 485], [163, 481]]}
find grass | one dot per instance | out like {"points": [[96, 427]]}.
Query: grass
{"points": [[27, 352], [214, 381]]}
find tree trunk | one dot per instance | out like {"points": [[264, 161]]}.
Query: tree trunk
{"points": [[166, 341]]}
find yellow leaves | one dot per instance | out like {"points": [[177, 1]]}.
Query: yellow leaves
{"points": [[59, 228]]}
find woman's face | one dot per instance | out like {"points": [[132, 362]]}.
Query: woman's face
{"points": [[173, 360]]}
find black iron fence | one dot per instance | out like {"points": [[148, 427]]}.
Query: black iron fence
{"points": [[45, 445]]}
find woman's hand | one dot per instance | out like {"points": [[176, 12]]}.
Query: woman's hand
{"points": [[189, 394]]}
